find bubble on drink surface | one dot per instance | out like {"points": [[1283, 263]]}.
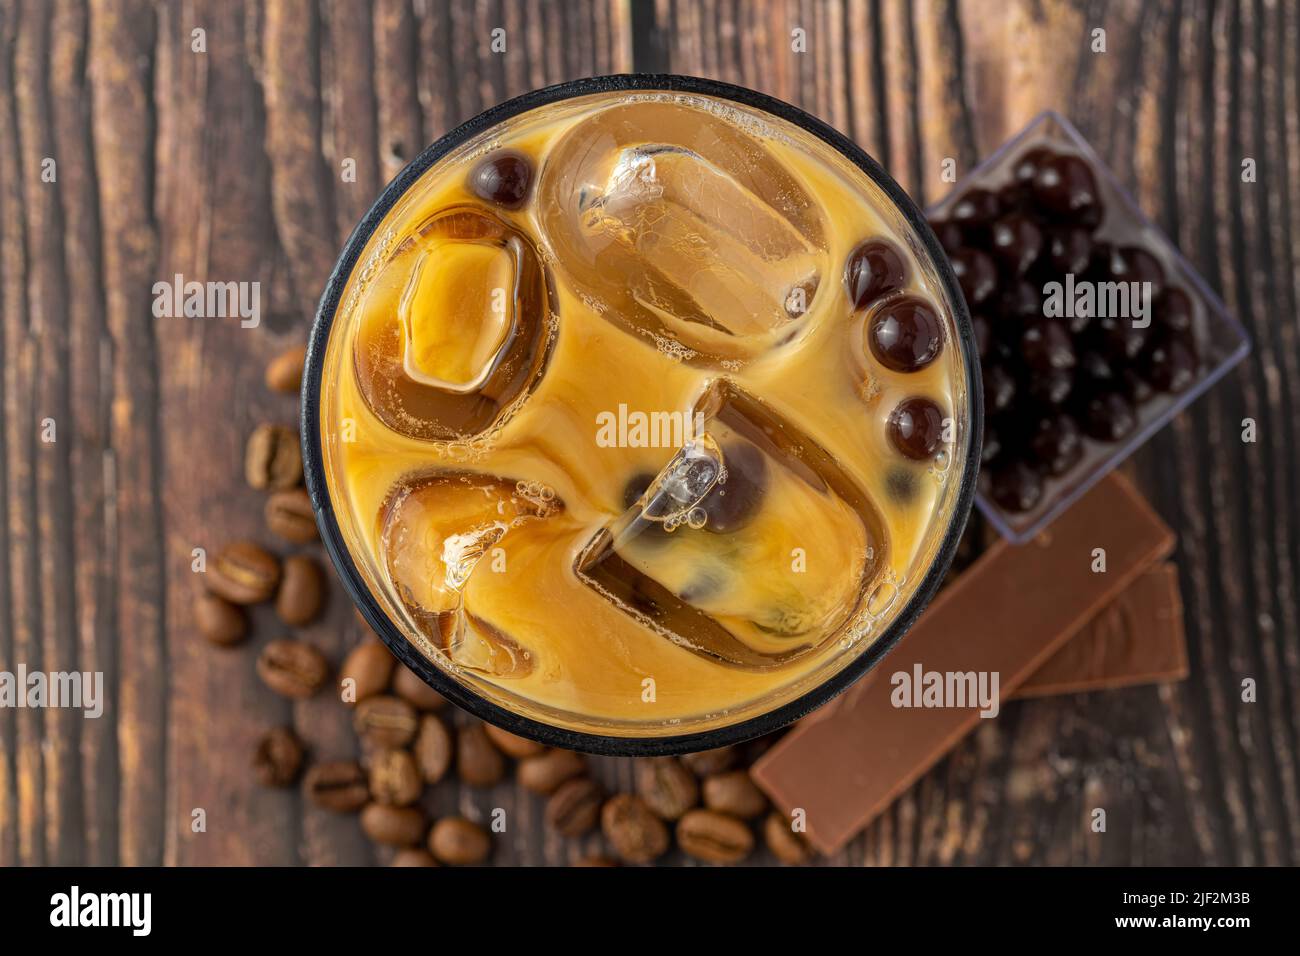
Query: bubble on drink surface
{"points": [[686, 225]]}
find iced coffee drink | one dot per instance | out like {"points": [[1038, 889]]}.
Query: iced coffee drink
{"points": [[643, 413]]}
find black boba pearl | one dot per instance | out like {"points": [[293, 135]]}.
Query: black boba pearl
{"points": [[1022, 301], [732, 503], [1017, 486], [1069, 250], [1174, 310], [1120, 339], [999, 386], [916, 428], [1170, 363], [1056, 443], [992, 447], [1095, 367], [1131, 264], [1137, 388], [875, 269], [1051, 386], [1017, 242], [905, 335], [949, 235], [503, 178], [1046, 345], [1065, 186], [1025, 169], [1108, 416], [976, 207], [982, 333], [976, 273]]}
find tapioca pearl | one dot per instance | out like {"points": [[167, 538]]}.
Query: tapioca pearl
{"points": [[905, 335]]}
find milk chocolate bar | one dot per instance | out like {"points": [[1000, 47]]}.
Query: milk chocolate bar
{"points": [[1005, 616]]}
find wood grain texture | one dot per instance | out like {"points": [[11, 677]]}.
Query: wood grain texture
{"points": [[230, 164]]}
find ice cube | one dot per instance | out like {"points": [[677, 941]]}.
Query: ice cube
{"points": [[435, 531], [774, 558], [686, 226], [454, 329]]}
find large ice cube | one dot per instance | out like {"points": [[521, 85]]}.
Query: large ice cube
{"points": [[766, 561], [685, 227], [454, 328], [435, 531]]}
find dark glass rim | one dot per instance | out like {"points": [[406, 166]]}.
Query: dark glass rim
{"points": [[465, 697]]}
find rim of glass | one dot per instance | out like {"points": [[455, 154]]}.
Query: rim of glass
{"points": [[464, 696]]}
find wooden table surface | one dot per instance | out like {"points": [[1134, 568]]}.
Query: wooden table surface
{"points": [[225, 165]]}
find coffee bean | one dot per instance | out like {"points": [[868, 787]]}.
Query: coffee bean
{"points": [[433, 748], [369, 666], [594, 861], [385, 721], [289, 515], [512, 745], [544, 773], [714, 837], [478, 762], [273, 458], [458, 842], [243, 573], [666, 786], [786, 845], [339, 785], [302, 591], [395, 779], [219, 621], [574, 808], [413, 856], [632, 829], [734, 794], [292, 668], [393, 826], [409, 686], [708, 762], [284, 372], [278, 758]]}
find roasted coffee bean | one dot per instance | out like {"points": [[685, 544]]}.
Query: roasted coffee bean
{"points": [[413, 856], [735, 794], [874, 270], [289, 515], [273, 458], [503, 178], [409, 686], [1017, 487], [916, 428], [732, 503], [393, 826], [339, 785], [220, 621], [786, 845], [433, 748], [385, 721], [708, 762], [575, 807], [369, 666], [278, 758], [714, 837], [284, 372], [905, 335], [302, 591], [394, 778], [666, 786], [544, 773], [458, 842], [478, 762], [632, 829], [512, 745], [243, 573], [292, 668]]}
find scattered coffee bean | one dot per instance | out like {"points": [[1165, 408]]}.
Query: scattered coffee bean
{"points": [[458, 842], [243, 573], [708, 762], [278, 758], [302, 591], [369, 666], [413, 856], [394, 778], [666, 786], [714, 837], [409, 686], [292, 668], [786, 845], [478, 762], [544, 773], [219, 621], [289, 515], [338, 785], [433, 748], [632, 829], [284, 372], [273, 458], [502, 178], [734, 794], [393, 826], [385, 721], [512, 745], [574, 808]]}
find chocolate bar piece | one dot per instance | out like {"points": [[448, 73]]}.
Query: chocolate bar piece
{"points": [[1136, 639], [1006, 615]]}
